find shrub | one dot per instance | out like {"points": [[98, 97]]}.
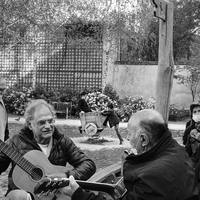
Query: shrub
{"points": [[177, 114], [16, 99], [40, 92], [110, 92], [130, 105]]}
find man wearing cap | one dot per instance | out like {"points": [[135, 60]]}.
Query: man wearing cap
{"points": [[4, 133], [161, 169]]}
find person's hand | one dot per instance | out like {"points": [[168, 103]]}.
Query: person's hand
{"points": [[198, 136], [193, 133], [71, 188]]}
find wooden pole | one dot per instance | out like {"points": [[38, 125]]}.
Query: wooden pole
{"points": [[165, 71]]}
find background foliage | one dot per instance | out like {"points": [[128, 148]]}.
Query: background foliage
{"points": [[17, 98]]}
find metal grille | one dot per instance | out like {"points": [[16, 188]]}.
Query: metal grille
{"points": [[58, 64]]}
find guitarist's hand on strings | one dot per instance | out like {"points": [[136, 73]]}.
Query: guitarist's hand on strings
{"points": [[71, 188]]}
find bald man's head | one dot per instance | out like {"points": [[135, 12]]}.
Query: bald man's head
{"points": [[146, 115], [148, 122]]}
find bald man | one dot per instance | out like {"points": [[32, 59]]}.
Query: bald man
{"points": [[161, 170], [4, 133]]}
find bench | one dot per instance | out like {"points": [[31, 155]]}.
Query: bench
{"points": [[63, 108]]}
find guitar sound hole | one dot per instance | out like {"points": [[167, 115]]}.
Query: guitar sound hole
{"points": [[36, 174]]}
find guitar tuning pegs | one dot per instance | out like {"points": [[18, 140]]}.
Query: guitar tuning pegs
{"points": [[41, 193], [53, 184], [48, 182], [38, 195], [54, 191], [47, 193]]}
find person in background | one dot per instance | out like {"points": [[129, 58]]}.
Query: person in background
{"points": [[82, 104], [161, 169], [4, 132], [190, 125], [195, 142], [41, 134], [113, 120], [83, 107]]}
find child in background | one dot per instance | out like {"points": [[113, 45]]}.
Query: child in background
{"points": [[113, 120]]}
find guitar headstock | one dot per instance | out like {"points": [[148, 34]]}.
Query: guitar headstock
{"points": [[50, 185]]}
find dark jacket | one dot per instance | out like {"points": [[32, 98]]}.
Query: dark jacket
{"points": [[83, 106], [6, 136], [163, 173], [186, 136], [63, 151], [111, 117], [189, 126]]}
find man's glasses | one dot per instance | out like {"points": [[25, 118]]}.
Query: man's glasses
{"points": [[43, 122]]}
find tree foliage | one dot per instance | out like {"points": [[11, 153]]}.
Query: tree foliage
{"points": [[186, 26], [191, 76], [130, 23]]}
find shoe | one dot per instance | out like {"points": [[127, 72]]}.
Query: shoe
{"points": [[121, 142], [80, 129]]}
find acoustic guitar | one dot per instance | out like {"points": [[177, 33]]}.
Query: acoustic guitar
{"points": [[34, 167], [51, 185]]}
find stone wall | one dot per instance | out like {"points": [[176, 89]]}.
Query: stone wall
{"points": [[140, 80]]}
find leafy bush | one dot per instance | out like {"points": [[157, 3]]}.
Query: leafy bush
{"points": [[110, 92], [130, 105], [40, 92], [17, 98], [177, 114]]}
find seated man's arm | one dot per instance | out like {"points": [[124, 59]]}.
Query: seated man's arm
{"points": [[84, 167], [76, 193]]}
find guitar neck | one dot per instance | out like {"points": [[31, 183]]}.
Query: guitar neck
{"points": [[95, 186], [16, 157], [114, 190]]}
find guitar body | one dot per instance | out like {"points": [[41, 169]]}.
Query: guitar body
{"points": [[28, 180]]}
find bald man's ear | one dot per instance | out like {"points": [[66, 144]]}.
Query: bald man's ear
{"points": [[144, 140], [29, 125]]}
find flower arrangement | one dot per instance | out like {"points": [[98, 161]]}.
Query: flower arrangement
{"points": [[98, 101]]}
